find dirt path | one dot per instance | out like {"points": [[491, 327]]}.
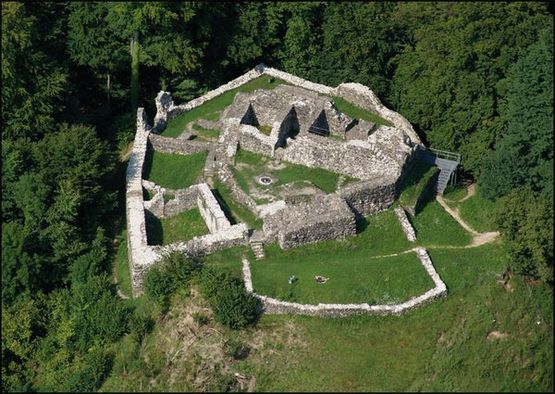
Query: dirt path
{"points": [[479, 238], [470, 191]]}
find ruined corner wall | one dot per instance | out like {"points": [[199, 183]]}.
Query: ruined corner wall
{"points": [[251, 139], [325, 217], [210, 210], [369, 196]]}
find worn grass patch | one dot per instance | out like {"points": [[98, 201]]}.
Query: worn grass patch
{"points": [[174, 171], [353, 277], [435, 227], [476, 211], [212, 109], [181, 227], [356, 112], [206, 134], [415, 181]]}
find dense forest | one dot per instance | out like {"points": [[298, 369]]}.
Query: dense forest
{"points": [[476, 78]]}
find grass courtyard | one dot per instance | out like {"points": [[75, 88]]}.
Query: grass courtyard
{"points": [[249, 166], [181, 227], [173, 171]]}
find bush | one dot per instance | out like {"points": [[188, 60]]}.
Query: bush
{"points": [[97, 364], [173, 272], [232, 305], [158, 286]]}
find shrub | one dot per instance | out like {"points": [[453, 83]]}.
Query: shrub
{"points": [[232, 305], [158, 286], [96, 366]]}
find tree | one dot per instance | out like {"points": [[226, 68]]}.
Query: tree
{"points": [[524, 155], [450, 83], [526, 221]]}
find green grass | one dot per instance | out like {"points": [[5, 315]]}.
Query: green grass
{"points": [[476, 211], [229, 260], [435, 227], [234, 211], [181, 227], [204, 133], [212, 109], [415, 181], [454, 193], [258, 165], [438, 347], [174, 171], [122, 265], [265, 129], [356, 279], [356, 112]]}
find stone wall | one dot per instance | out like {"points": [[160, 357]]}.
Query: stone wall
{"points": [[210, 210], [365, 98], [325, 217], [200, 246], [274, 306], [140, 255], [227, 178], [251, 139], [355, 158], [177, 145], [370, 196], [405, 224]]}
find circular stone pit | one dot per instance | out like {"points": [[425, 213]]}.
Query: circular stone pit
{"points": [[265, 180]]}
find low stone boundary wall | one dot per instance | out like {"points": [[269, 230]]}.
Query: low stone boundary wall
{"points": [[274, 306], [251, 139], [206, 244], [405, 224], [177, 145], [210, 210], [294, 80], [370, 196]]}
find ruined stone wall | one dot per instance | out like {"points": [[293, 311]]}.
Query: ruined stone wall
{"points": [[358, 159], [177, 145], [140, 255], [365, 98], [370, 196], [183, 200], [405, 224], [325, 217], [235, 235], [251, 139], [210, 210], [274, 306], [294, 80], [226, 176]]}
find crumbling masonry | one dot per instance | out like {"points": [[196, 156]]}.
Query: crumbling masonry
{"points": [[306, 129]]}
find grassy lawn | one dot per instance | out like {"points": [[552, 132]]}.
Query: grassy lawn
{"points": [[258, 165], [234, 211], [356, 279], [356, 112], [415, 181], [455, 192], [442, 346], [212, 109], [229, 260], [435, 227], [476, 211], [173, 171], [181, 227], [206, 134]]}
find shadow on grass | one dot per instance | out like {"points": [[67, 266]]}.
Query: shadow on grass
{"points": [[154, 230], [223, 204]]}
